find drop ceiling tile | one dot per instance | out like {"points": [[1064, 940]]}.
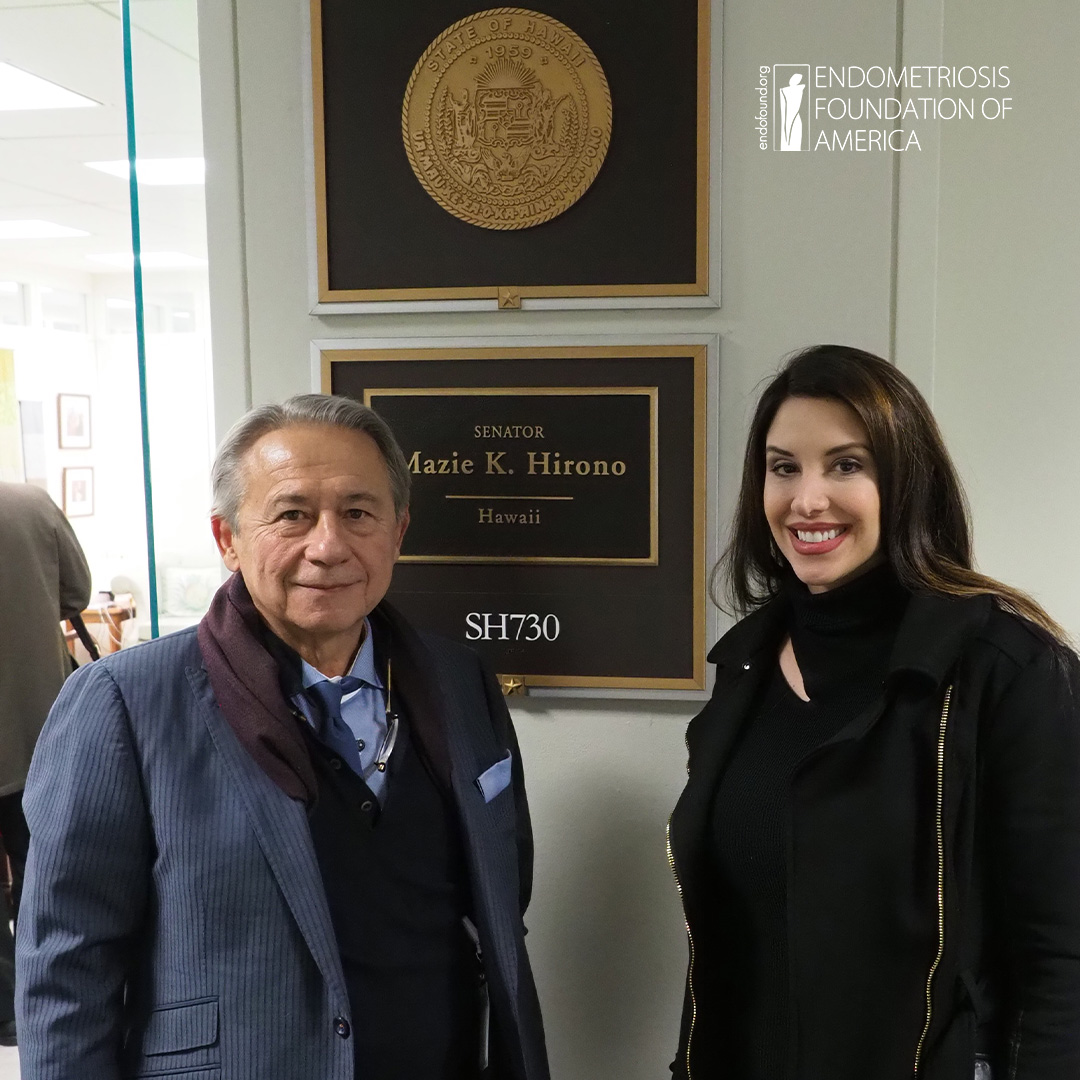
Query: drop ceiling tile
{"points": [[80, 48], [6, 5], [14, 197], [172, 21], [42, 174]]}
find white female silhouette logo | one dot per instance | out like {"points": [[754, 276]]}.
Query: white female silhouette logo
{"points": [[791, 97]]}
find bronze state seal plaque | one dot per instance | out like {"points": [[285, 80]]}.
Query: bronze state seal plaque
{"points": [[507, 118]]}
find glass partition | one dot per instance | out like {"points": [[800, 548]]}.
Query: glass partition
{"points": [[70, 317]]}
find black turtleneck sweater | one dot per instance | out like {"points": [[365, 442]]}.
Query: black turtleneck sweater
{"points": [[842, 639]]}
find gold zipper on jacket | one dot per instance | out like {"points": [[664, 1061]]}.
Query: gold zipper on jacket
{"points": [[940, 830], [690, 938]]}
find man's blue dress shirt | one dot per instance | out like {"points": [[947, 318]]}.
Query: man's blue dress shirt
{"points": [[364, 710]]}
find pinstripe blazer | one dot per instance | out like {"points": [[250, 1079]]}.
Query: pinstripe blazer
{"points": [[174, 921]]}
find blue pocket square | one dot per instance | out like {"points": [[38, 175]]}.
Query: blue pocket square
{"points": [[495, 779]]}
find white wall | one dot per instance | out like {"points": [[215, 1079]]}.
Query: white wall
{"points": [[1007, 357], [939, 266]]}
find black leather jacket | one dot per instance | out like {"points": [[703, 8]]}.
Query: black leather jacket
{"points": [[933, 882]]}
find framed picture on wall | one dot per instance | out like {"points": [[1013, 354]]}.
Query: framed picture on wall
{"points": [[79, 491], [73, 421]]}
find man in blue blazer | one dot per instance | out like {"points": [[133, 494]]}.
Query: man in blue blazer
{"points": [[292, 843]]}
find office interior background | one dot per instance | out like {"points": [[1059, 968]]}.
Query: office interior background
{"points": [[960, 261]]}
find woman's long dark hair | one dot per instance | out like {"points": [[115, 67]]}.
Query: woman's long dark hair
{"points": [[925, 522]]}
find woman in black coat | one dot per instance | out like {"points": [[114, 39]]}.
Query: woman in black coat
{"points": [[878, 846]]}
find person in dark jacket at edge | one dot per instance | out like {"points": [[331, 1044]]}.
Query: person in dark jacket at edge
{"points": [[878, 846], [44, 577]]}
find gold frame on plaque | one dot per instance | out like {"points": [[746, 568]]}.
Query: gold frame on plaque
{"points": [[330, 356], [509, 294]]}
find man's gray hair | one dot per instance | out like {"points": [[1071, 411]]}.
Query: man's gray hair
{"points": [[332, 410]]}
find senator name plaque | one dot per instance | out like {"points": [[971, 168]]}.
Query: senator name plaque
{"points": [[557, 513], [508, 474]]}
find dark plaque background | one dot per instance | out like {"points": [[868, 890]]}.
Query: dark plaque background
{"points": [[617, 622], [636, 225], [609, 516]]}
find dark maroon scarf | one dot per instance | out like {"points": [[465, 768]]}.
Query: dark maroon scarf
{"points": [[245, 680]]}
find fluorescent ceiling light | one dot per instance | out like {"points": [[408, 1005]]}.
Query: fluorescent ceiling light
{"points": [[151, 260], [117, 304], [20, 90], [157, 171], [34, 229]]}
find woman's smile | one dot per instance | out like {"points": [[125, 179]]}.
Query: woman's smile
{"points": [[817, 539]]}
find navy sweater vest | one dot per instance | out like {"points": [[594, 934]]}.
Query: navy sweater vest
{"points": [[397, 886]]}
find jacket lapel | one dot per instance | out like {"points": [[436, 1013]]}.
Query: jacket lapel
{"points": [[929, 641], [934, 631], [493, 848], [281, 827], [411, 676], [743, 659]]}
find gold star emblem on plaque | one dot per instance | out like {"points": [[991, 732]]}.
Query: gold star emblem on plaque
{"points": [[511, 685], [507, 118]]}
